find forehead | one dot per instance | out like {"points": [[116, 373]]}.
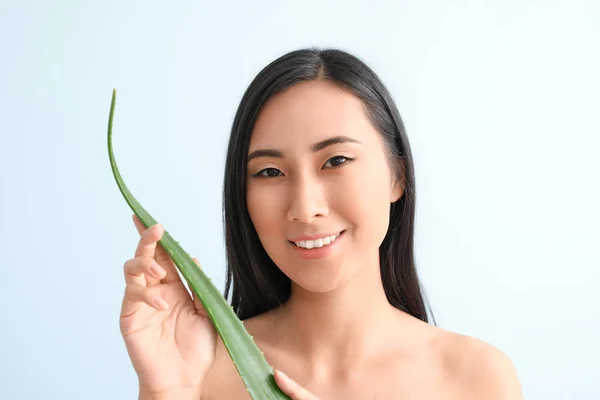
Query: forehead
{"points": [[307, 113]]}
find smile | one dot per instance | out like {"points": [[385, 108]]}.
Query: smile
{"points": [[317, 243]]}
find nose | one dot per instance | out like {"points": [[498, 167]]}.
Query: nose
{"points": [[308, 201]]}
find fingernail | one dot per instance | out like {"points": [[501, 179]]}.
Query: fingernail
{"points": [[282, 375]]}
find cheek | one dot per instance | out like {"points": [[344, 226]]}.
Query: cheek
{"points": [[267, 212], [264, 209], [367, 203]]}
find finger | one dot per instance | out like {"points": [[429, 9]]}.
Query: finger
{"points": [[149, 246], [148, 238], [138, 224], [144, 271], [137, 295], [291, 388]]}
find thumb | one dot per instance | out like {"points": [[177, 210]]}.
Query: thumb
{"points": [[291, 388]]}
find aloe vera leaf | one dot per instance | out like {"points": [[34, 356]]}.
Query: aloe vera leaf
{"points": [[249, 361]]}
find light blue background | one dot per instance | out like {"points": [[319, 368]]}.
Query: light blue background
{"points": [[500, 100]]}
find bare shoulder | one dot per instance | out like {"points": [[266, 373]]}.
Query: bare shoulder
{"points": [[480, 369]]}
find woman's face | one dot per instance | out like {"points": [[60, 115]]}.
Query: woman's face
{"points": [[317, 169]]}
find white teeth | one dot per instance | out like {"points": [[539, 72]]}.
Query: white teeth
{"points": [[310, 244]]}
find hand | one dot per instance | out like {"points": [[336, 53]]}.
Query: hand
{"points": [[168, 335], [291, 388]]}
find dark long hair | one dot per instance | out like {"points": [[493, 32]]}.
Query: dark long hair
{"points": [[258, 284]]}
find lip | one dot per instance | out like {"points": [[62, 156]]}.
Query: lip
{"points": [[316, 253]]}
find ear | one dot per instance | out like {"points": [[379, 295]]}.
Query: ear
{"points": [[397, 191], [398, 184]]}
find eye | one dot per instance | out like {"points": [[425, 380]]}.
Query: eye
{"points": [[337, 161], [268, 173]]}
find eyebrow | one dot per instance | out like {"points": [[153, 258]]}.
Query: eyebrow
{"points": [[314, 148]]}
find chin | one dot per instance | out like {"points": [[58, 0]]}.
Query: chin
{"points": [[318, 279], [315, 286], [319, 275]]}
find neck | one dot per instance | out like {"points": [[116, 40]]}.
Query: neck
{"points": [[340, 327]]}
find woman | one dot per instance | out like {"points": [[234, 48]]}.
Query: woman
{"points": [[319, 207]]}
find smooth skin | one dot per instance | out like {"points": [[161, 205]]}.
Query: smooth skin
{"points": [[337, 337]]}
